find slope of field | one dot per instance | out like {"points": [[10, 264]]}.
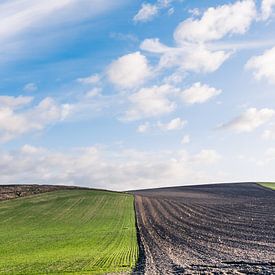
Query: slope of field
{"points": [[270, 185], [217, 229], [76, 231], [8, 192]]}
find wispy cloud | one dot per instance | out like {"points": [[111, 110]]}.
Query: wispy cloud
{"points": [[27, 20]]}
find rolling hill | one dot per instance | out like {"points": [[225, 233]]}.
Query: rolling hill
{"points": [[68, 231]]}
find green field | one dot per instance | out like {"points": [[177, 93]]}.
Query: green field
{"points": [[74, 231], [268, 184]]}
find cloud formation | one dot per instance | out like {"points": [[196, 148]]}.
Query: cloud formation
{"points": [[17, 119], [199, 93], [250, 120], [151, 102], [103, 168], [216, 23], [21, 16], [263, 66], [148, 11], [267, 8], [129, 70], [172, 125], [189, 57]]}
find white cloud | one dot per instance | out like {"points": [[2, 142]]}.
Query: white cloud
{"points": [[263, 66], [18, 16], [188, 57], [193, 52], [175, 78], [151, 102], [92, 79], [21, 16], [207, 156], [15, 121], [174, 124], [30, 87], [269, 134], [41, 24], [195, 58], [251, 119], [267, 7], [142, 128], [186, 139], [199, 93], [101, 167], [129, 70], [153, 45], [146, 13], [14, 102], [29, 149], [218, 22]]}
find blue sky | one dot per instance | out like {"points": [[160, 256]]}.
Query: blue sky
{"points": [[137, 94]]}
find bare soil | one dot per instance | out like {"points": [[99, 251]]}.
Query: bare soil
{"points": [[207, 229]]}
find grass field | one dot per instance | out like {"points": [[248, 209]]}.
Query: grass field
{"points": [[268, 184], [74, 231]]}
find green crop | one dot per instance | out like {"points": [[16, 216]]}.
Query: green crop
{"points": [[73, 231], [268, 185]]}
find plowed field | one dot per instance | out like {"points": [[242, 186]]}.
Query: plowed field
{"points": [[220, 229]]}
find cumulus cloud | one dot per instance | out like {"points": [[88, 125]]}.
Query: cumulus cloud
{"points": [[199, 93], [218, 22], [193, 51], [129, 70], [101, 167], [250, 120], [263, 66], [16, 120], [267, 8], [189, 57], [151, 102], [148, 11], [172, 125]]}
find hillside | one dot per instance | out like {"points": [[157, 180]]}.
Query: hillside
{"points": [[8, 192], [75, 231]]}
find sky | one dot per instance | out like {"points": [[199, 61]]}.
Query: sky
{"points": [[135, 94]]}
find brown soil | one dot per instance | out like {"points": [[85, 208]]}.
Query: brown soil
{"points": [[207, 229]]}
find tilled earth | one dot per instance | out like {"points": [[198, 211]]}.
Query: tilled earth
{"points": [[207, 229]]}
